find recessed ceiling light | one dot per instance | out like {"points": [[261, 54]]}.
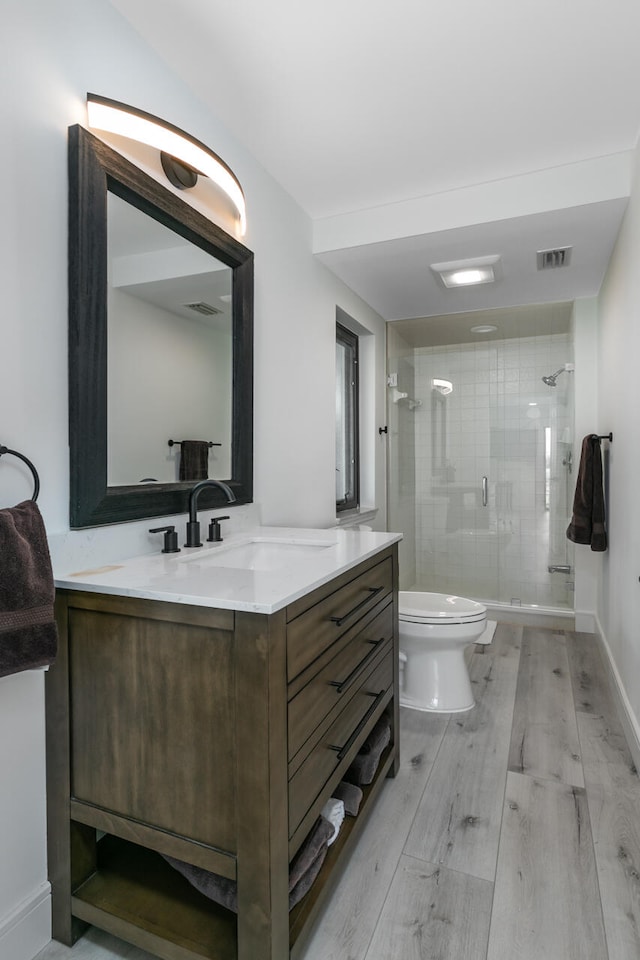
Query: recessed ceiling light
{"points": [[484, 328], [460, 278], [464, 273]]}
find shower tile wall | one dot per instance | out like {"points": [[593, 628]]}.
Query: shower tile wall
{"points": [[494, 423]]}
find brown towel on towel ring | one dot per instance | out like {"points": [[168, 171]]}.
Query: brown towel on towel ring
{"points": [[28, 634], [587, 522], [194, 460]]}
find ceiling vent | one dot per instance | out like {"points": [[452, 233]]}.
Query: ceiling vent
{"points": [[203, 308], [550, 259]]}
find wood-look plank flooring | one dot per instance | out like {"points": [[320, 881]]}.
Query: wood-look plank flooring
{"points": [[512, 832]]}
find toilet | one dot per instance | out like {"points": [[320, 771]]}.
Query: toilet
{"points": [[434, 630]]}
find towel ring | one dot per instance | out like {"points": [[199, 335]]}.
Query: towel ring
{"points": [[36, 478]]}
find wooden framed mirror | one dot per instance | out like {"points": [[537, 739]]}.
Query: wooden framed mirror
{"points": [[167, 364]]}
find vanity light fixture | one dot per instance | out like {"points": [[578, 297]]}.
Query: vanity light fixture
{"points": [[183, 157], [464, 273]]}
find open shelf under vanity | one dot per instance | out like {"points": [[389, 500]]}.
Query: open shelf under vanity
{"points": [[136, 895], [138, 684]]}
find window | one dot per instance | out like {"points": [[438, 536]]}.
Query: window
{"points": [[347, 456]]}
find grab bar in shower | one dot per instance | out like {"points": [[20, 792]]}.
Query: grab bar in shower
{"points": [[485, 491]]}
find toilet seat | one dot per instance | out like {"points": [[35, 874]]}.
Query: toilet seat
{"points": [[438, 608]]}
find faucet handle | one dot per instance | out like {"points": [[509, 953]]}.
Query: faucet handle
{"points": [[170, 539], [214, 530]]}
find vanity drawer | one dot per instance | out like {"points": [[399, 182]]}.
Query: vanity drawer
{"points": [[336, 749], [319, 626], [329, 689]]}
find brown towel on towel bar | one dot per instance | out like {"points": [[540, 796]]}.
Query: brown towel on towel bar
{"points": [[587, 522], [194, 460], [28, 634], [303, 870]]}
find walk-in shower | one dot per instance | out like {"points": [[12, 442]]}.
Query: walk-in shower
{"points": [[480, 476]]}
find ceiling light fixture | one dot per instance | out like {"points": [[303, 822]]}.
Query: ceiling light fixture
{"points": [[183, 157], [484, 328], [464, 273]]}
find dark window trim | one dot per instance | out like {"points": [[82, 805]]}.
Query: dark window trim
{"points": [[350, 340]]}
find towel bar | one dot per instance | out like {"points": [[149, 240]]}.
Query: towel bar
{"points": [[210, 443], [36, 478]]}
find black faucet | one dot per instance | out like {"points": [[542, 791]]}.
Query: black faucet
{"points": [[193, 526]]}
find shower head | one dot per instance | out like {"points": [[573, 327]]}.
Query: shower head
{"points": [[551, 379]]}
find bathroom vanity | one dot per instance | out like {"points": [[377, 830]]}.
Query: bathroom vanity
{"points": [[204, 706]]}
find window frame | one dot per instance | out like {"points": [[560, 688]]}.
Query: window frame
{"points": [[350, 341]]}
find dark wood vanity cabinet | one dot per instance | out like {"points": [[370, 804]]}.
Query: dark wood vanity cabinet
{"points": [[215, 737]]}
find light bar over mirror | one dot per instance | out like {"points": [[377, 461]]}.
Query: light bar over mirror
{"points": [[183, 157]]}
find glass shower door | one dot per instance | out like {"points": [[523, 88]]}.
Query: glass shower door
{"points": [[441, 492], [480, 475]]}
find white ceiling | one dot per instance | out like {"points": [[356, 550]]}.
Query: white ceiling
{"points": [[364, 108]]}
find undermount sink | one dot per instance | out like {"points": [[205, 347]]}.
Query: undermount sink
{"points": [[259, 553]]}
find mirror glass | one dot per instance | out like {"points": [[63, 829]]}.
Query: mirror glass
{"points": [[169, 350], [160, 345]]}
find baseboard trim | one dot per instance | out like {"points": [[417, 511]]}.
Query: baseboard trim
{"points": [[627, 717], [27, 929]]}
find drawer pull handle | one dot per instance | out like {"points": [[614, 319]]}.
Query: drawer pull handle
{"points": [[344, 750], [376, 643], [341, 685], [340, 620]]}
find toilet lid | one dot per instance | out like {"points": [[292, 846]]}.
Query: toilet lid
{"points": [[439, 607]]}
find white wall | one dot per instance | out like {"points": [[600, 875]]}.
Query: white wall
{"points": [[24, 890], [51, 54], [169, 377], [618, 607], [585, 346]]}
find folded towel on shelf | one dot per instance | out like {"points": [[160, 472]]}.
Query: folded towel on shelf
{"points": [[333, 811], [194, 460], [28, 633], [351, 796], [219, 889], [363, 769], [305, 882], [302, 872], [588, 520], [306, 856]]}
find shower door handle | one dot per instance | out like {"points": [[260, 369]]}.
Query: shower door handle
{"points": [[485, 491]]}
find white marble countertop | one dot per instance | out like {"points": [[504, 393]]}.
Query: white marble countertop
{"points": [[259, 570]]}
